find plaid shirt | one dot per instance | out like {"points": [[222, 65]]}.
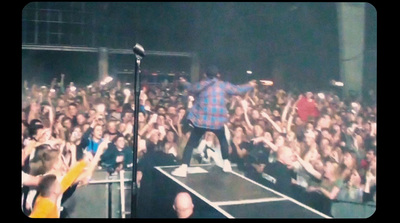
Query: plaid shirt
{"points": [[209, 109]]}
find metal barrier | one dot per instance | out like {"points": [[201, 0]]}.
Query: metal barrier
{"points": [[105, 196], [347, 209]]}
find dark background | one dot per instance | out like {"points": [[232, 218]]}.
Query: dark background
{"points": [[295, 44]]}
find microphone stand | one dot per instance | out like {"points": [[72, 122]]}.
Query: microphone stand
{"points": [[135, 136]]}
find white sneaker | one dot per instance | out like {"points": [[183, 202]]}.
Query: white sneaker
{"points": [[180, 171], [227, 166]]}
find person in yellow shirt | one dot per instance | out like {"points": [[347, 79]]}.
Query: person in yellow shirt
{"points": [[51, 190]]}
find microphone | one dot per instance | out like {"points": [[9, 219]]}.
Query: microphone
{"points": [[138, 50]]}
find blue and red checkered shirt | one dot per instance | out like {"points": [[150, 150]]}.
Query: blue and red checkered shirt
{"points": [[209, 109]]}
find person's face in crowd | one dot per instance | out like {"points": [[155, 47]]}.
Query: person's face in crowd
{"points": [[182, 112], [239, 111], [324, 143], [171, 110], [173, 98], [359, 120], [155, 137], [326, 150], [350, 117], [355, 178], [258, 131], [286, 156], [348, 160], [113, 106], [160, 120], [314, 155], [175, 120], [336, 128], [261, 102], [298, 121], [61, 103], [81, 119], [309, 139], [324, 121], [309, 95], [76, 134], [275, 113], [120, 143], [35, 107], [372, 166], [73, 111], [98, 132], [92, 113], [318, 165], [170, 136], [112, 127], [326, 134], [151, 95], [291, 136], [370, 155], [67, 123], [336, 154], [100, 108], [121, 127], [255, 114], [367, 127], [309, 126], [161, 111], [128, 117], [280, 140], [330, 168], [238, 132]]}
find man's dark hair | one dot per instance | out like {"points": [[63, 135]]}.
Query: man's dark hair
{"points": [[44, 187], [72, 104], [33, 126], [371, 148], [212, 71]]}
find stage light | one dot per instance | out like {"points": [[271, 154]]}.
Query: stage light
{"points": [[266, 82], [337, 83], [106, 80], [249, 72]]}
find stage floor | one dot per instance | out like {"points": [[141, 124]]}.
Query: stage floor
{"points": [[236, 196]]}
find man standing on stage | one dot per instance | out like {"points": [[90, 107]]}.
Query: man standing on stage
{"points": [[209, 113]]}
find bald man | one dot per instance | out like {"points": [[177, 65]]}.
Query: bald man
{"points": [[183, 205]]}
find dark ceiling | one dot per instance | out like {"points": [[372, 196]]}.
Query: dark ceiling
{"points": [[300, 37]]}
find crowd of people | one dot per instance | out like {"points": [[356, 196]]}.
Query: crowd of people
{"points": [[314, 147]]}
